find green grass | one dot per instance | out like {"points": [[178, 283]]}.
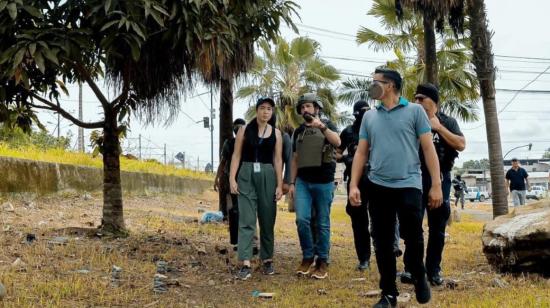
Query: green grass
{"points": [[82, 159]]}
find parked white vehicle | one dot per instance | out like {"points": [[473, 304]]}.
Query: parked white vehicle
{"points": [[473, 194], [536, 192]]}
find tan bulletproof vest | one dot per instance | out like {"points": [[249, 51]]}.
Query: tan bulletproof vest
{"points": [[311, 148]]}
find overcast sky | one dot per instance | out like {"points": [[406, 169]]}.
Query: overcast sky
{"points": [[519, 31]]}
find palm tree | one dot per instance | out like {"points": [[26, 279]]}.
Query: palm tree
{"points": [[482, 59], [485, 69], [285, 72], [457, 81]]}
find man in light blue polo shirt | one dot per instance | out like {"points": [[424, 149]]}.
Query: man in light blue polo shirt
{"points": [[389, 139]]}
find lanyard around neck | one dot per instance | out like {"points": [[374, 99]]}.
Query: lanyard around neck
{"points": [[260, 142]]}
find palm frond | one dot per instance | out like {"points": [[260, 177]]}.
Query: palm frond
{"points": [[375, 40], [247, 91], [467, 111], [353, 90], [385, 11], [317, 71], [303, 48]]}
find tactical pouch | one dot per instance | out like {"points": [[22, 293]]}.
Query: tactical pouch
{"points": [[329, 154]]}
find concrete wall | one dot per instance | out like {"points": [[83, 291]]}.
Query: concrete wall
{"points": [[29, 176]]}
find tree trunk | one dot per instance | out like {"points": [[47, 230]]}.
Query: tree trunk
{"points": [[485, 70], [226, 111], [113, 217], [430, 50]]}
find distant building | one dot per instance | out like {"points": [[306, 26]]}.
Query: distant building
{"points": [[478, 178]]}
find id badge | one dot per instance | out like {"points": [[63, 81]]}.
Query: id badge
{"points": [[257, 167]]}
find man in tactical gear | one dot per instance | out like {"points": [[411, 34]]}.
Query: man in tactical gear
{"points": [[459, 186], [312, 183]]}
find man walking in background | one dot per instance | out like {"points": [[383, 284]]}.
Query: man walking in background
{"points": [[517, 182], [460, 187]]}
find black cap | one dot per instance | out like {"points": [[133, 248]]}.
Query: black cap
{"points": [[262, 100], [429, 90], [358, 106], [239, 121]]}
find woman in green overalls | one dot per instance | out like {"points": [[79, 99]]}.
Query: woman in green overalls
{"points": [[258, 151]]}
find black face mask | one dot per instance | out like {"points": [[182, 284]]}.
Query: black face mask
{"points": [[359, 117]]}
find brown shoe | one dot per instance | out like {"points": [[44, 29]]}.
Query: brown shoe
{"points": [[305, 267], [321, 270]]}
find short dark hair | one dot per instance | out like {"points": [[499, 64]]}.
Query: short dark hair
{"points": [[514, 160], [392, 75]]}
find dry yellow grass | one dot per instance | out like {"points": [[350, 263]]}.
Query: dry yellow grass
{"points": [[160, 229], [82, 159]]}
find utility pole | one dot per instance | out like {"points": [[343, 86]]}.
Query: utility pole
{"points": [[165, 153], [139, 146], [58, 124], [80, 116], [211, 128]]}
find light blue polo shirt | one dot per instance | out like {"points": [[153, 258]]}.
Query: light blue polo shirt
{"points": [[393, 137]]}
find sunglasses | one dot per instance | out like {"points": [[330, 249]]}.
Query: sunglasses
{"points": [[420, 98]]}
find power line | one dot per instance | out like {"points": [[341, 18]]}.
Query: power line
{"points": [[523, 88], [353, 36], [525, 91], [522, 72], [325, 30], [521, 61], [202, 101], [519, 57], [352, 59], [186, 114], [383, 62], [329, 36], [513, 97]]}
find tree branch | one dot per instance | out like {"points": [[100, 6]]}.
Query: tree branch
{"points": [[65, 114], [40, 107], [86, 75], [119, 101]]}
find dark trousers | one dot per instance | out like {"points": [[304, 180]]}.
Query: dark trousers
{"points": [[437, 221], [384, 204], [459, 195], [223, 192], [360, 223], [233, 219]]}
